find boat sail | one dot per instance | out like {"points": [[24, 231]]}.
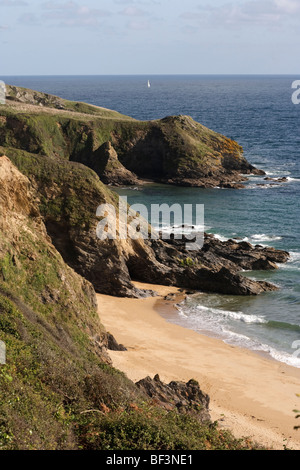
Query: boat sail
{"points": [[149, 84]]}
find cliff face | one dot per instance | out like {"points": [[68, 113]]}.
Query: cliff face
{"points": [[49, 323], [105, 162], [31, 269], [174, 150], [69, 194], [41, 140], [58, 390], [177, 150]]}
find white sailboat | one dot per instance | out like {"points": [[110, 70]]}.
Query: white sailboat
{"points": [[149, 84]]}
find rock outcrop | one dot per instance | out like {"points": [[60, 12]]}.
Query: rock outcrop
{"points": [[54, 142], [69, 195], [112, 172], [27, 96], [175, 150], [113, 345], [186, 398], [30, 265], [215, 268]]}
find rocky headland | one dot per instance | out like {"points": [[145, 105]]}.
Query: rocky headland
{"points": [[64, 147], [59, 389], [121, 150]]}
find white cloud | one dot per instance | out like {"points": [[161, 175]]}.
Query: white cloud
{"points": [[251, 12], [288, 6], [133, 11], [59, 6], [135, 25], [13, 3], [29, 19], [72, 14]]}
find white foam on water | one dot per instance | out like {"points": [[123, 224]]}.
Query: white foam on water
{"points": [[256, 182], [254, 239], [245, 342], [262, 186], [182, 229], [293, 263], [265, 238], [295, 256], [261, 239], [207, 320], [238, 316], [220, 237], [289, 267], [290, 179], [242, 341], [278, 173]]}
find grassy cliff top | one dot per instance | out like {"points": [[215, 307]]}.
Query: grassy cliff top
{"points": [[25, 100], [175, 150]]}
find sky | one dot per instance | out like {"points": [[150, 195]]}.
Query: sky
{"points": [[107, 37]]}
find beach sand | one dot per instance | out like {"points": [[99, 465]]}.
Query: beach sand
{"points": [[251, 395]]}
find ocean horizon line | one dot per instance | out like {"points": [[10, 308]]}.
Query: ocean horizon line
{"points": [[156, 75]]}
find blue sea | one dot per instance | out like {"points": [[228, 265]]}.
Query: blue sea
{"points": [[256, 111]]}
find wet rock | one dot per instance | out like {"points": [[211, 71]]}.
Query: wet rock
{"points": [[215, 268], [232, 185], [277, 180], [170, 297]]}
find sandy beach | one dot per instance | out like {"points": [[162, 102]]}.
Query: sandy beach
{"points": [[251, 395]]}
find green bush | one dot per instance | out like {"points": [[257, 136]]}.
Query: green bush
{"points": [[146, 428]]}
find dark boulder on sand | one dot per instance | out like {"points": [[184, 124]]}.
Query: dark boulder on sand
{"points": [[187, 398]]}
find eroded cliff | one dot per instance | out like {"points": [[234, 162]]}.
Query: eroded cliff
{"points": [[174, 150], [58, 390]]}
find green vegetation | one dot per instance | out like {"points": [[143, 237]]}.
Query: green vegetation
{"points": [[48, 381], [174, 147], [58, 389], [69, 192], [56, 366], [148, 428], [188, 262]]}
